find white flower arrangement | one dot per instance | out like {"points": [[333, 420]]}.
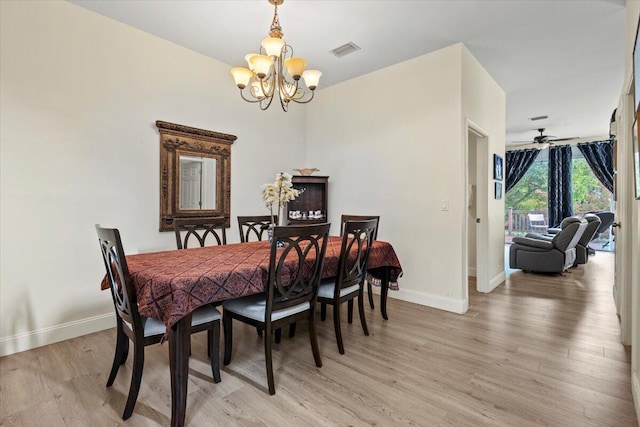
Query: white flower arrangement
{"points": [[280, 192]]}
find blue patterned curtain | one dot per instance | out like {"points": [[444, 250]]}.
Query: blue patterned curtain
{"points": [[599, 156], [560, 194], [517, 164]]}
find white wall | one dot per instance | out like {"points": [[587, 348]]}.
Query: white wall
{"points": [[628, 212], [395, 148], [81, 93], [80, 96], [484, 103]]}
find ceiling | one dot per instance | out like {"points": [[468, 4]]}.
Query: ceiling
{"points": [[560, 58]]}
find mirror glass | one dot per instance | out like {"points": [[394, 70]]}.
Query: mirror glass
{"points": [[197, 183]]}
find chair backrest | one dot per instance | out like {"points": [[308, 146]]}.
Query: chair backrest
{"points": [[357, 238], [200, 229], [254, 226], [360, 218], [122, 289], [295, 266], [571, 230], [606, 219], [593, 223], [537, 220]]}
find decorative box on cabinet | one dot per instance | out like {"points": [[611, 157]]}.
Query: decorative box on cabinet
{"points": [[314, 198]]}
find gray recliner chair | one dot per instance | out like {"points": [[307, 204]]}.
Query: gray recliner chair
{"points": [[582, 248], [548, 254]]}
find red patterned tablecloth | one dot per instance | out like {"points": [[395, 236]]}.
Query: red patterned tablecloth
{"points": [[171, 284]]}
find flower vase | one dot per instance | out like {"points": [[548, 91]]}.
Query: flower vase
{"points": [[283, 215]]}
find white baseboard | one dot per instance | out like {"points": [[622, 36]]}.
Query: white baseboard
{"points": [[497, 280], [52, 334], [435, 301], [635, 390], [616, 300]]}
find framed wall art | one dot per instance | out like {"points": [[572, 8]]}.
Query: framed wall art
{"points": [[497, 167]]}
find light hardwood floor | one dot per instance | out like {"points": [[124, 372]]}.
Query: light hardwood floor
{"points": [[538, 351]]}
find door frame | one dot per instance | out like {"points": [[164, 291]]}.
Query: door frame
{"points": [[622, 282], [482, 209]]}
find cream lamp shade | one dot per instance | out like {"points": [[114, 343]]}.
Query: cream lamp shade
{"points": [[241, 76], [295, 66], [311, 78], [273, 46], [261, 65]]}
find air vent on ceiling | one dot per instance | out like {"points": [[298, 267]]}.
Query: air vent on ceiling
{"points": [[345, 49], [533, 119]]}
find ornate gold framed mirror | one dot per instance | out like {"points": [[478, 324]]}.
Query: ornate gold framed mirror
{"points": [[195, 173]]}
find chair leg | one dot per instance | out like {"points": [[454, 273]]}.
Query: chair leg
{"points": [[292, 330], [314, 339], [278, 334], [136, 379], [213, 336], [259, 331], [323, 311], [363, 320], [268, 361], [228, 335], [370, 294], [121, 353], [336, 325], [350, 311]]}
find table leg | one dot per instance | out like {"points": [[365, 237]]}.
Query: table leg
{"points": [[179, 337], [384, 290]]}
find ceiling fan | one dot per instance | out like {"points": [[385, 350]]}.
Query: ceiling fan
{"points": [[543, 139]]}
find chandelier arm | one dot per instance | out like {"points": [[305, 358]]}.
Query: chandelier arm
{"points": [[299, 100], [253, 101], [266, 102], [269, 89], [284, 85]]}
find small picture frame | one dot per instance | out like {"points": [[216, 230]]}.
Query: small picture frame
{"points": [[498, 190], [497, 167]]}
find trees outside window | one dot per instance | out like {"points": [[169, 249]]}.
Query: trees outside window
{"points": [[530, 194]]}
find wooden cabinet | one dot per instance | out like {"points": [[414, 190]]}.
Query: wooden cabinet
{"points": [[314, 198]]}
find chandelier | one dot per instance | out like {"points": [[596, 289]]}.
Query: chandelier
{"points": [[265, 78]]}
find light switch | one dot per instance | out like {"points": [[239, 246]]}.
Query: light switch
{"points": [[445, 205]]}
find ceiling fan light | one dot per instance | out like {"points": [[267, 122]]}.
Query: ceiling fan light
{"points": [[241, 76], [261, 65], [311, 78], [273, 46], [295, 66]]}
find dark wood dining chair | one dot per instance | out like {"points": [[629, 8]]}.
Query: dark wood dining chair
{"points": [[357, 237], [254, 226], [292, 288], [144, 331], [212, 228], [375, 237]]}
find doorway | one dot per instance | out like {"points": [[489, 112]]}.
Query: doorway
{"points": [[476, 217]]}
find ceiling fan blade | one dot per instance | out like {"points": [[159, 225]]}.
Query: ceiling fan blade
{"points": [[526, 146], [564, 139]]}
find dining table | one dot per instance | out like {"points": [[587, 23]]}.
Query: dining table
{"points": [[171, 284]]}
